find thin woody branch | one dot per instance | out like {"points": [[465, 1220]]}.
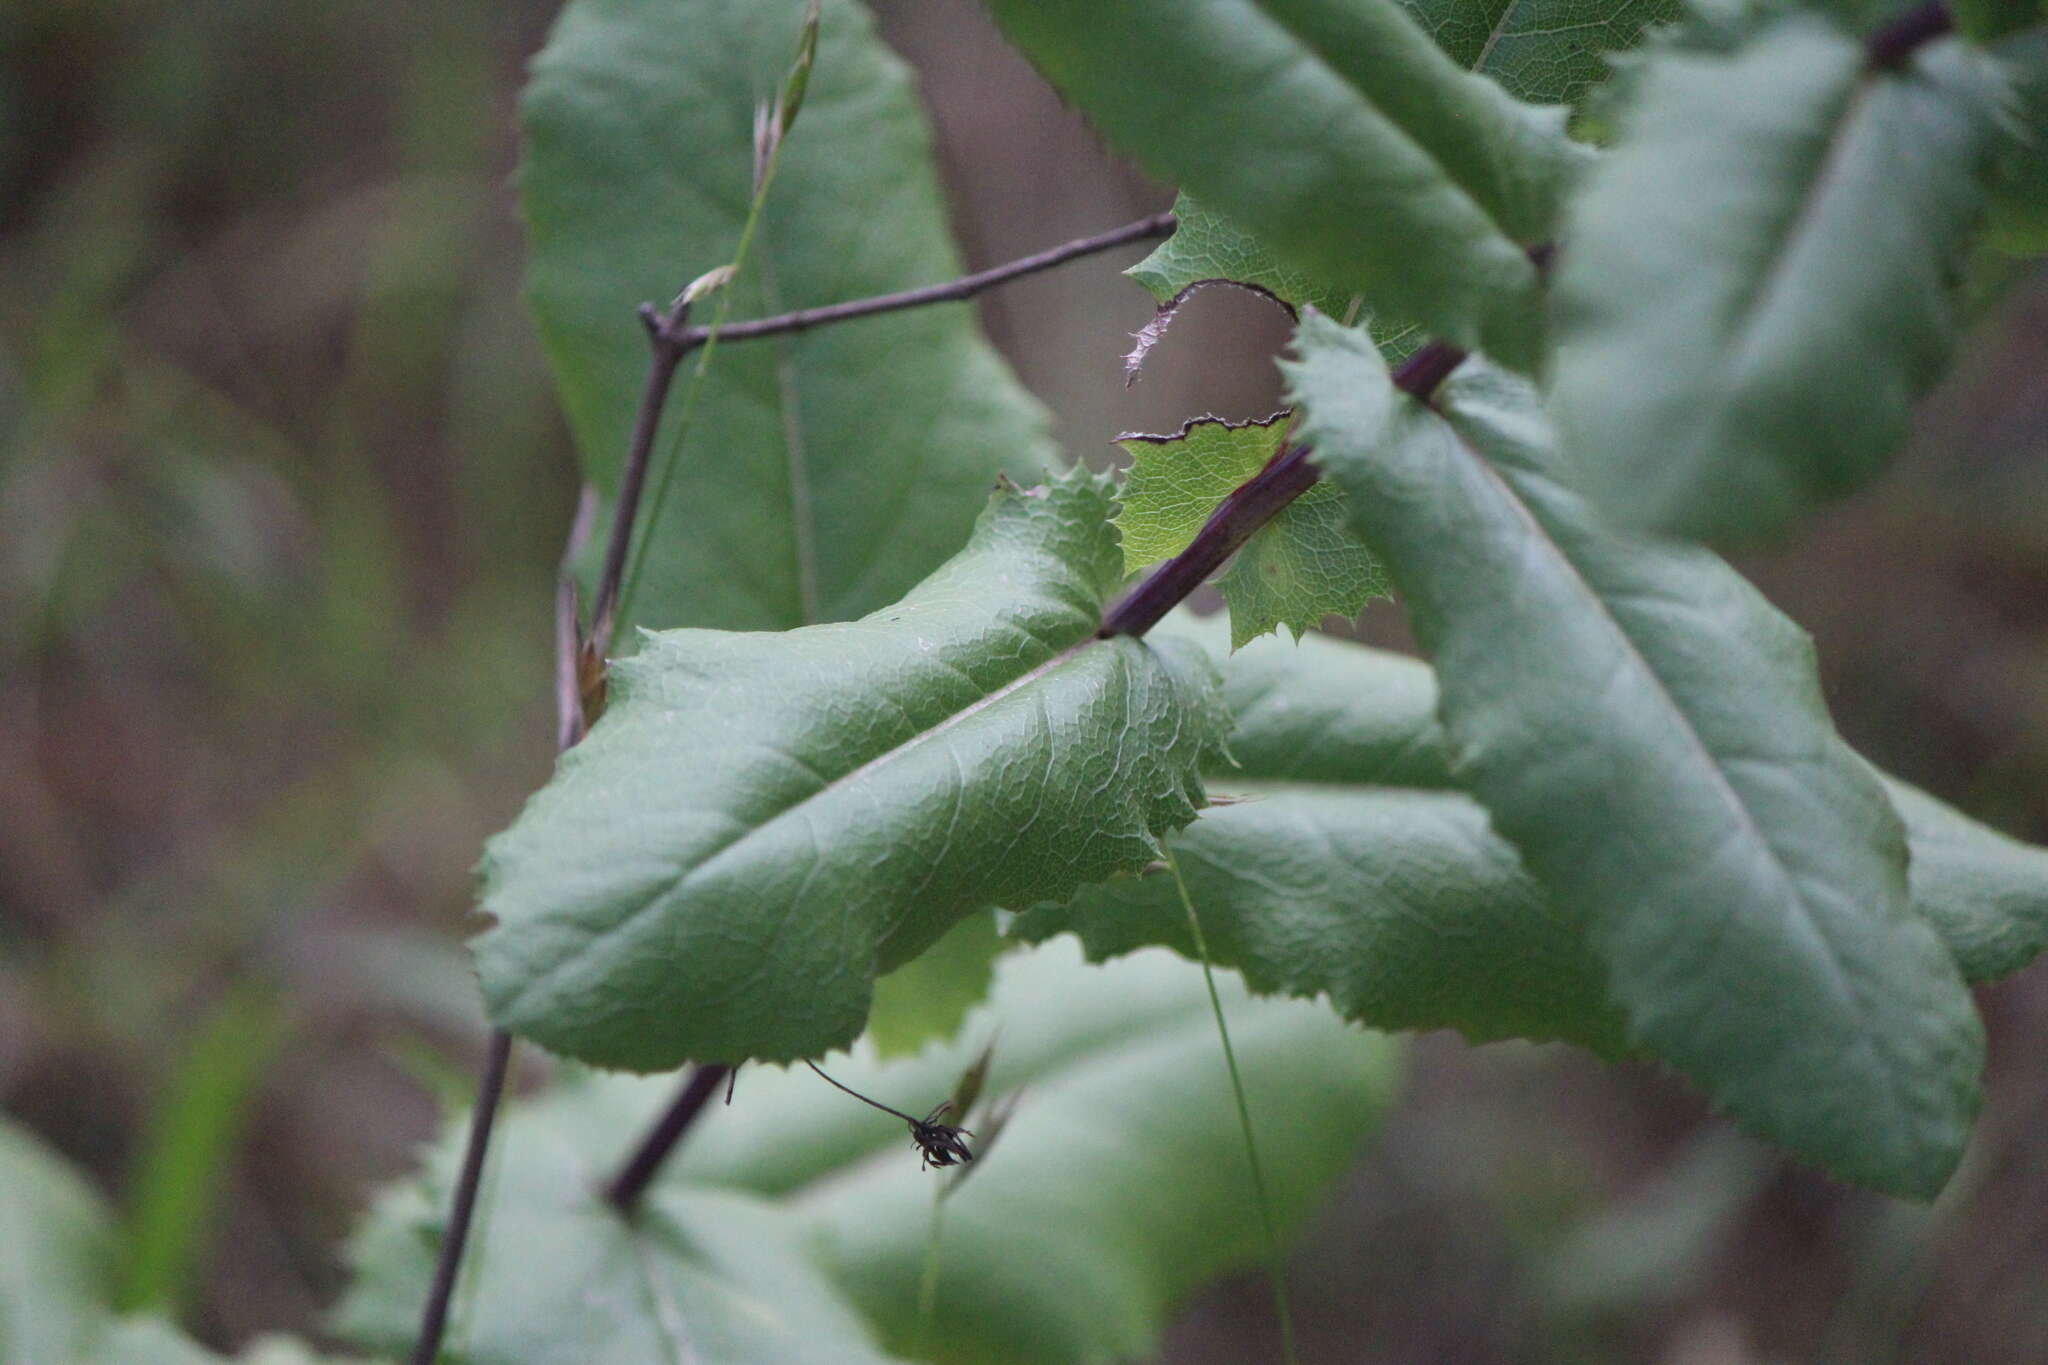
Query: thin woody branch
{"points": [[666, 353], [623, 1191], [490, 1091], [670, 338], [953, 291], [1891, 46]]}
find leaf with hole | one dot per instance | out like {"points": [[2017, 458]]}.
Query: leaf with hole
{"points": [[1420, 182], [1299, 567]]}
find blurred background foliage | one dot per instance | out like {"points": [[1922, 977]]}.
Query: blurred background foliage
{"points": [[282, 485]]}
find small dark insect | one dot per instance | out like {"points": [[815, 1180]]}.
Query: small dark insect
{"points": [[940, 1144]]}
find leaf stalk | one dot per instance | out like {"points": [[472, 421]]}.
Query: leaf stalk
{"points": [[624, 1190], [1274, 1270]]}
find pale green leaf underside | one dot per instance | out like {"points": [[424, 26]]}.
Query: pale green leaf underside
{"points": [[929, 995], [762, 823], [1071, 1239], [1425, 181], [827, 472], [1758, 282], [57, 1262], [1649, 733], [1298, 568], [56, 1254], [699, 1276], [1119, 1185], [1341, 859], [152, 1341]]}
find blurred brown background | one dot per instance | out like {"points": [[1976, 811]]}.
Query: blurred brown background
{"points": [[281, 490]]}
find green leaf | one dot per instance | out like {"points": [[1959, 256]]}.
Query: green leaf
{"points": [[1649, 733], [1299, 567], [825, 472], [1984, 20], [1543, 51], [1984, 892], [1339, 861], [929, 995], [761, 824], [1075, 1234], [712, 1277], [1118, 1186], [1402, 906], [56, 1254], [1336, 132], [195, 1128], [1757, 282], [1207, 247], [153, 1341]]}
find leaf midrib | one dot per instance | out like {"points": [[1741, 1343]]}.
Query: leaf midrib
{"points": [[1837, 979], [670, 886], [1500, 26], [1751, 311], [1315, 54]]}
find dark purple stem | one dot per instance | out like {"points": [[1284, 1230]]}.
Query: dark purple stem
{"points": [[952, 291], [434, 1320], [1419, 375], [623, 1191], [670, 339], [1248, 507], [666, 353], [1251, 505], [490, 1088], [1889, 47]]}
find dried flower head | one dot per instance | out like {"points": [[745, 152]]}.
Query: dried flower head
{"points": [[941, 1144]]}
